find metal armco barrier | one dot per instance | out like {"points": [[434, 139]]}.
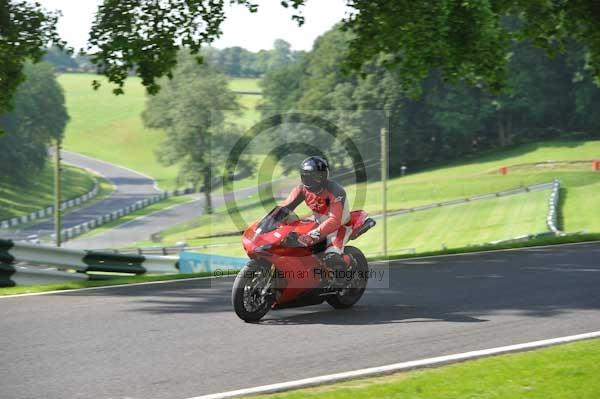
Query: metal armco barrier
{"points": [[71, 259]]}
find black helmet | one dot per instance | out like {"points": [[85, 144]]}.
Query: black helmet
{"points": [[314, 172]]}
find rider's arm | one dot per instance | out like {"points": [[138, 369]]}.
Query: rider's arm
{"points": [[337, 208], [294, 199]]}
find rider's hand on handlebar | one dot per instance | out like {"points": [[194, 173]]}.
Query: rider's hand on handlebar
{"points": [[310, 239], [306, 240]]}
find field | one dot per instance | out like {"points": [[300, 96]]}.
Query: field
{"points": [[247, 85], [562, 372], [16, 200], [109, 127], [453, 226]]}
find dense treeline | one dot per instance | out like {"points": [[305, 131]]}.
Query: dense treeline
{"points": [[547, 97], [239, 62], [64, 61], [38, 118], [232, 61]]}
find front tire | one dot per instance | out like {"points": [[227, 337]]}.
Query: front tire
{"points": [[251, 295], [357, 285]]}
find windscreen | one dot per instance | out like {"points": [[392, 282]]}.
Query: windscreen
{"points": [[276, 217]]}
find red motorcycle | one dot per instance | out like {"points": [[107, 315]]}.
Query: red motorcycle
{"points": [[284, 273]]}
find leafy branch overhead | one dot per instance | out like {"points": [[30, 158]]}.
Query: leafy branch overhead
{"points": [[467, 39], [146, 35], [462, 39]]}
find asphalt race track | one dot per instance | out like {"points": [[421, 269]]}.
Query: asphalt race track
{"points": [[182, 339]]}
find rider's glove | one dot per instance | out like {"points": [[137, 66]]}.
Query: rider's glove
{"points": [[315, 234], [309, 239], [306, 240]]}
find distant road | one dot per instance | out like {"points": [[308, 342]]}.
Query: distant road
{"points": [[142, 228], [181, 339], [130, 185]]}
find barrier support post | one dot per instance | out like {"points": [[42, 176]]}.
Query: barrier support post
{"points": [[57, 192], [384, 176]]}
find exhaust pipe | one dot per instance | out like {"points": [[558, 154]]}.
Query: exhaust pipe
{"points": [[363, 229]]}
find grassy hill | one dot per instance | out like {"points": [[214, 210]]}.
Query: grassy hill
{"points": [[459, 225], [109, 127], [16, 199]]}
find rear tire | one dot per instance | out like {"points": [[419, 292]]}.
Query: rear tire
{"points": [[359, 282], [248, 302]]}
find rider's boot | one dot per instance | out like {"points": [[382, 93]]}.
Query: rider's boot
{"points": [[339, 267]]}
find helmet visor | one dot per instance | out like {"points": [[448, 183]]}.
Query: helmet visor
{"points": [[313, 181]]}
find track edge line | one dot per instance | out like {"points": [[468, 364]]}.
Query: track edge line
{"points": [[397, 367]]}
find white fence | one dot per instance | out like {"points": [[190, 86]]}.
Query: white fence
{"points": [[552, 219]]}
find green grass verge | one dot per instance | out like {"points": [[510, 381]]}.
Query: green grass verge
{"points": [[71, 285], [110, 127], [158, 206], [560, 372], [23, 198]]}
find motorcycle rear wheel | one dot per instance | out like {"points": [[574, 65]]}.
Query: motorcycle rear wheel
{"points": [[358, 283], [249, 298]]}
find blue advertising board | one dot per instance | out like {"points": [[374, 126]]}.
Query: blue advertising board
{"points": [[193, 262]]}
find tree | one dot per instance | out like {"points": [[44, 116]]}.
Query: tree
{"points": [[192, 109], [232, 61], [60, 59], [281, 53], [280, 86], [38, 118], [546, 97], [25, 29], [467, 39]]}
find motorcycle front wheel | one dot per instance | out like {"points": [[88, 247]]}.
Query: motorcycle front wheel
{"points": [[251, 295]]}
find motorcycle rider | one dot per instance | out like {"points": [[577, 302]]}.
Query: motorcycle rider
{"points": [[328, 202]]}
